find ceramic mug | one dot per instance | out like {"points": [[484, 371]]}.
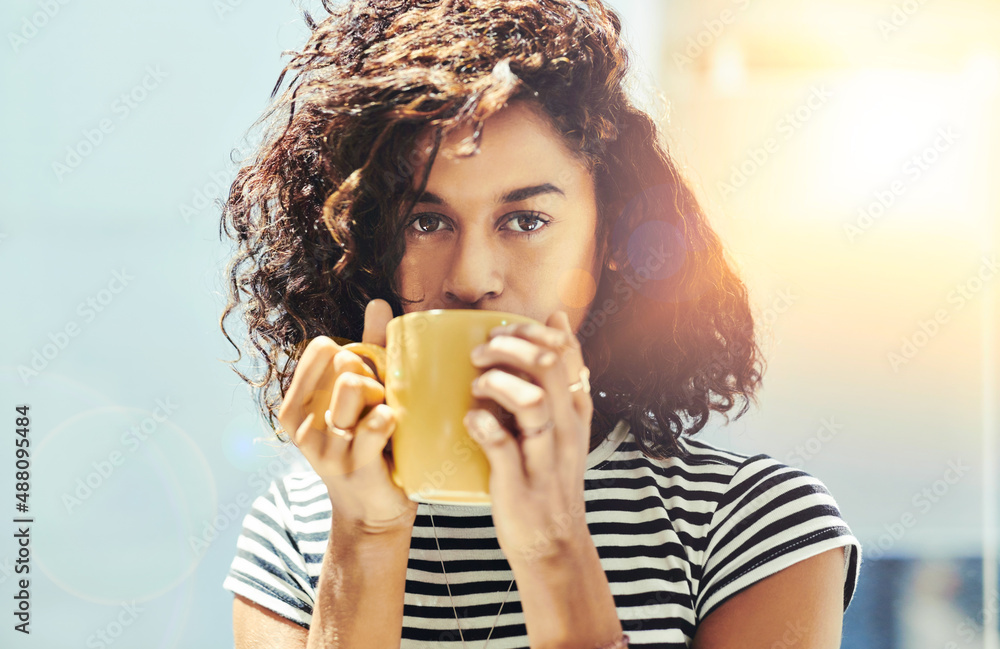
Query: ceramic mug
{"points": [[427, 372]]}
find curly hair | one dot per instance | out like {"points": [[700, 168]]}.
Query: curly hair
{"points": [[317, 213]]}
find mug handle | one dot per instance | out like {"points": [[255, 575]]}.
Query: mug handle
{"points": [[367, 351]]}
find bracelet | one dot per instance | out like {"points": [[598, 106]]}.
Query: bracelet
{"points": [[620, 643]]}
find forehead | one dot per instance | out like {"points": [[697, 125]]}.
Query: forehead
{"points": [[517, 144]]}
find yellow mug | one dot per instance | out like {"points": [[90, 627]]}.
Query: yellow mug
{"points": [[427, 372]]}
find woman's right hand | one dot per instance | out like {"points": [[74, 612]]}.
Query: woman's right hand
{"points": [[356, 471]]}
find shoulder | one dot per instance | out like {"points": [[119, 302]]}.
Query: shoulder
{"points": [[281, 546], [289, 523], [299, 489], [293, 503], [683, 492], [730, 480], [769, 517], [740, 517]]}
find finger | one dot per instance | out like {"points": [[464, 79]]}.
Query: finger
{"points": [[501, 450], [534, 359], [575, 365], [373, 432], [522, 398], [308, 377], [320, 398], [310, 440], [528, 403], [352, 393], [557, 335], [378, 313], [346, 434], [334, 455], [347, 361], [547, 370], [546, 335]]}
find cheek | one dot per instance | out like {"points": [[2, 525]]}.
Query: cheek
{"points": [[563, 281], [577, 277], [576, 287], [415, 271]]}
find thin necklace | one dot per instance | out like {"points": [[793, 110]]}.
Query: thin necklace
{"points": [[448, 586]]}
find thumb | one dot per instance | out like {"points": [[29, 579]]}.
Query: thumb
{"points": [[378, 313]]}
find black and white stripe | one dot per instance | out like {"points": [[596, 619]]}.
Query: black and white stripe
{"points": [[676, 538]]}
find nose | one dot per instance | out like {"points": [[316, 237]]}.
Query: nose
{"points": [[475, 273]]}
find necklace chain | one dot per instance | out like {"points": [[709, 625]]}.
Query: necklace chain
{"points": [[448, 586]]}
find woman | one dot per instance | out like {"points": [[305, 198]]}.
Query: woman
{"points": [[484, 155]]}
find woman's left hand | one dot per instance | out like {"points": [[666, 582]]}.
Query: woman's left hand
{"points": [[536, 476]]}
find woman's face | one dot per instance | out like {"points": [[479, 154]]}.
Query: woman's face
{"points": [[509, 229]]}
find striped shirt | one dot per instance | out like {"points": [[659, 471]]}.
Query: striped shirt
{"points": [[676, 538]]}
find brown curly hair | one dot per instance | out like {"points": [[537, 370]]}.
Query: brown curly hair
{"points": [[318, 212]]}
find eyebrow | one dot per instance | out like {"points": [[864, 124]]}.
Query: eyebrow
{"points": [[514, 195]]}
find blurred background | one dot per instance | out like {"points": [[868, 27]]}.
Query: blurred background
{"points": [[847, 152]]}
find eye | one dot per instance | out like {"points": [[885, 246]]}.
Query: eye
{"points": [[530, 221], [526, 224], [422, 221]]}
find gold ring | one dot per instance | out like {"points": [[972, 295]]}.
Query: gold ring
{"points": [[583, 383], [346, 433]]}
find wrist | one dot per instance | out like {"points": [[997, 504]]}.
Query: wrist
{"points": [[567, 600], [555, 556], [550, 549], [391, 528]]}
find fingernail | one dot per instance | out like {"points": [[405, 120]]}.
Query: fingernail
{"points": [[481, 426], [376, 419], [470, 425], [478, 351], [548, 359]]}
